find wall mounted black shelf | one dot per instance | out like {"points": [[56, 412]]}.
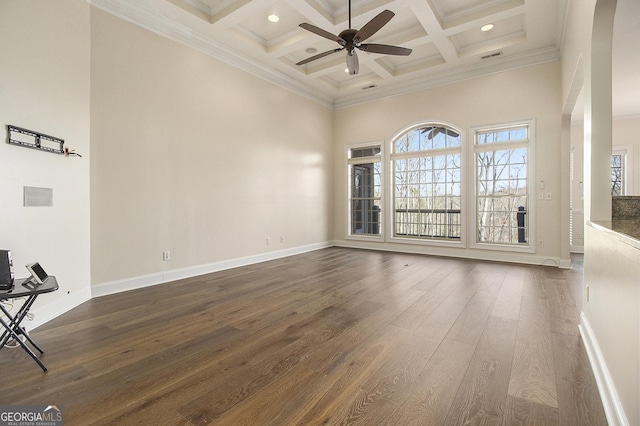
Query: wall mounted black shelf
{"points": [[34, 140]]}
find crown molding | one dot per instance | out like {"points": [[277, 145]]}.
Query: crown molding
{"points": [[159, 24], [495, 66], [153, 21]]}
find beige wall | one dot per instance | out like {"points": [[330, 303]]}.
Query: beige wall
{"points": [[611, 317], [44, 86], [528, 93], [625, 135], [196, 157], [577, 186]]}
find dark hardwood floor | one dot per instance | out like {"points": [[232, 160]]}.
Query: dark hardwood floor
{"points": [[335, 336]]}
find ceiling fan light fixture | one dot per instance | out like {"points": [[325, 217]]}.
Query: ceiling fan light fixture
{"points": [[486, 27], [273, 18], [352, 63]]}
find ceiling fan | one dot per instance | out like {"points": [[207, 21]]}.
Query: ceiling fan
{"points": [[351, 39]]}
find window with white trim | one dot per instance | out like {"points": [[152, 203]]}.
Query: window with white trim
{"points": [[618, 171], [501, 162], [365, 190], [427, 184]]}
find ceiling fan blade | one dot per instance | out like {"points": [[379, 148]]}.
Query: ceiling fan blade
{"points": [[372, 27], [321, 32], [385, 49], [352, 63], [319, 55], [434, 131]]}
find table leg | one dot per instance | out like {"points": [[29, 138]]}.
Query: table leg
{"points": [[13, 334]]}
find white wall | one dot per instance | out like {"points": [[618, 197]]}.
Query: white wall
{"points": [[611, 320], [44, 86], [196, 157], [611, 317], [523, 94], [624, 138]]}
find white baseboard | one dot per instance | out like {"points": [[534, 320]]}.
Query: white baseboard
{"points": [[49, 312], [577, 249], [489, 255], [611, 402], [177, 274], [44, 314]]}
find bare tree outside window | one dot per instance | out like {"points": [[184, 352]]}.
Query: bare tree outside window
{"points": [[427, 183], [617, 174], [501, 158], [365, 175]]}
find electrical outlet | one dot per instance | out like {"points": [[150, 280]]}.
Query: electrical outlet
{"points": [[166, 255], [281, 239], [540, 243], [268, 240], [548, 196]]}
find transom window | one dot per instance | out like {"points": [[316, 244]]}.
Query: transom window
{"points": [[427, 184]]}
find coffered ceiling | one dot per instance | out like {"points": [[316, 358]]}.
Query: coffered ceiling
{"points": [[444, 35]]}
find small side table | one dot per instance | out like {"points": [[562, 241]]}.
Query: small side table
{"points": [[24, 288]]}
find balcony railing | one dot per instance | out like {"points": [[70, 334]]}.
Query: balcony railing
{"points": [[444, 223]]}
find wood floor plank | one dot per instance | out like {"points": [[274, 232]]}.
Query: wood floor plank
{"points": [[362, 408], [333, 336], [508, 302], [336, 351], [415, 315], [395, 376], [564, 312], [578, 398], [534, 284], [522, 412], [533, 373], [262, 407], [202, 374], [429, 398], [347, 378], [471, 322], [481, 397]]}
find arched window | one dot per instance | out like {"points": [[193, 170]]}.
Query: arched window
{"points": [[426, 175]]}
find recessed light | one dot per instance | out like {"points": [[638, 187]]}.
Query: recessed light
{"points": [[273, 18], [486, 27], [311, 50]]}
